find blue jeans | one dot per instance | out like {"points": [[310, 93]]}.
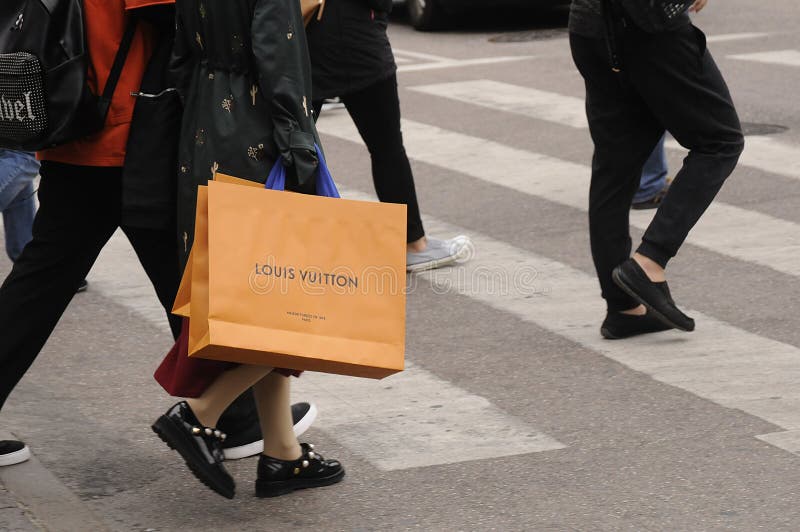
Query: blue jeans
{"points": [[654, 174], [17, 202]]}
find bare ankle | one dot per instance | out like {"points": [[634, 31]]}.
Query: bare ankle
{"points": [[283, 451], [635, 311], [202, 413], [653, 270], [418, 245]]}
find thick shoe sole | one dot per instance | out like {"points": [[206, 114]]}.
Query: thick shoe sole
{"points": [[257, 447], [17, 457], [176, 439], [432, 265], [282, 487], [608, 335], [621, 282]]}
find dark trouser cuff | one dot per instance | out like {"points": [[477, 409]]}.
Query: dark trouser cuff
{"points": [[655, 253], [618, 304], [415, 232]]}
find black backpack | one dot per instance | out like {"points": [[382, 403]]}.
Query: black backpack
{"points": [[45, 99], [655, 16]]}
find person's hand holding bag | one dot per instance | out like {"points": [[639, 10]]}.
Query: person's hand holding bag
{"points": [[281, 54]]}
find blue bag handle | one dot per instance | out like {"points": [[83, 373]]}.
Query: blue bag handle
{"points": [[325, 185]]}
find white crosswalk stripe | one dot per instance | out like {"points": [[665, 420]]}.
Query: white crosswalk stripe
{"points": [[719, 362], [724, 229], [409, 61], [728, 37], [776, 57], [415, 419], [430, 416], [767, 154], [526, 101], [762, 153]]}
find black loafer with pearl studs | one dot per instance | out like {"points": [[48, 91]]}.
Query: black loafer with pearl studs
{"points": [[200, 447], [279, 477]]}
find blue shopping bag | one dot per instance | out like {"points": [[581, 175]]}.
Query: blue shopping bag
{"points": [[325, 185]]}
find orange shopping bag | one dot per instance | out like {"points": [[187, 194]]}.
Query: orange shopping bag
{"points": [[182, 302], [296, 281]]}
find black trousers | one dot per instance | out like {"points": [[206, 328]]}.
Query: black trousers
{"points": [[376, 114], [80, 208], [668, 82]]}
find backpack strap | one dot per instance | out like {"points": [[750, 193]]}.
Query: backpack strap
{"points": [[104, 101]]}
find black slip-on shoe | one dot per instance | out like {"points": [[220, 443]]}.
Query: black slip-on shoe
{"points": [[199, 446], [655, 296], [13, 452], [617, 325], [279, 477], [247, 440]]}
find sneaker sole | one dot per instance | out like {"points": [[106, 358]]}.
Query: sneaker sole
{"points": [[432, 265], [283, 487], [17, 457], [175, 438], [257, 447], [656, 314]]}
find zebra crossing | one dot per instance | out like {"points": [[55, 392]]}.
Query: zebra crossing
{"points": [[725, 229], [728, 365], [776, 57], [409, 61], [720, 362]]}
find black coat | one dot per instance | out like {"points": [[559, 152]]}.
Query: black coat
{"points": [[148, 176], [242, 69], [349, 47]]}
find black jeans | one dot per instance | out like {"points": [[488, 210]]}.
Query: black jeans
{"points": [[376, 113], [80, 208], [668, 82]]}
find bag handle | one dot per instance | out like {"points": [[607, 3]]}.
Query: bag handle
{"points": [[325, 184], [104, 101]]}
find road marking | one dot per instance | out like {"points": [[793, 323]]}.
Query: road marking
{"points": [[777, 57], [767, 154], [433, 62], [727, 37], [118, 274], [459, 63], [420, 55], [413, 419], [724, 229], [525, 101], [52, 505], [787, 440], [533, 103], [718, 362]]}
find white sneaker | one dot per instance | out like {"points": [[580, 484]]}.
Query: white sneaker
{"points": [[13, 452], [248, 442], [438, 253]]}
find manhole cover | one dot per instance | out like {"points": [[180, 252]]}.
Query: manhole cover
{"points": [[527, 36], [753, 128]]}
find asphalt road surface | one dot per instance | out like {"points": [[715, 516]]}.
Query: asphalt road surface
{"points": [[514, 414]]}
